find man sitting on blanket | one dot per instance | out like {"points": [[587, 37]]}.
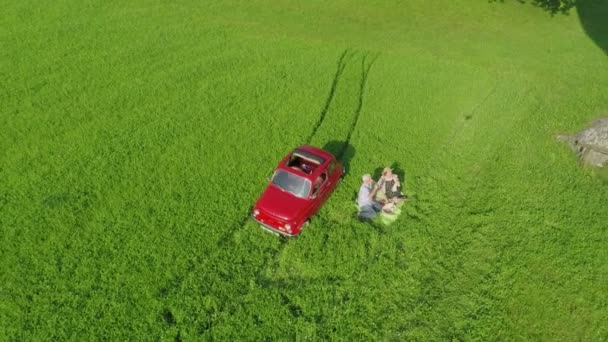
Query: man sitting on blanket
{"points": [[368, 207]]}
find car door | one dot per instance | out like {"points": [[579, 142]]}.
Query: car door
{"points": [[333, 171], [320, 191]]}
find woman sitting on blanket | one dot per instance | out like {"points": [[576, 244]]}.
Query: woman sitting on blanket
{"points": [[390, 185]]}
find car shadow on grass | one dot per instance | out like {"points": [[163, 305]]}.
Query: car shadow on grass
{"points": [[342, 150]]}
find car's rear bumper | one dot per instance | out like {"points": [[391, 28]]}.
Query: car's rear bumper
{"points": [[271, 229]]}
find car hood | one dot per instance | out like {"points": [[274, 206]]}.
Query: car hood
{"points": [[281, 204]]}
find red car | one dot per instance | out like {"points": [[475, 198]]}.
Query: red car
{"points": [[299, 186]]}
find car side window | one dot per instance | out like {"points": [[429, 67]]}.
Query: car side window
{"points": [[318, 183]]}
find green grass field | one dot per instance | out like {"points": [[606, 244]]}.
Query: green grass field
{"points": [[135, 136]]}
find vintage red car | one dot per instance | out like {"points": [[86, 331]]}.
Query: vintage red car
{"points": [[299, 186]]}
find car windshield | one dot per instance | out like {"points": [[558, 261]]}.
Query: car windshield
{"points": [[290, 182]]}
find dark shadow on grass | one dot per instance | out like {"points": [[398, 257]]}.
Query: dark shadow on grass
{"points": [[397, 169], [167, 317], [342, 150], [551, 6], [554, 6], [294, 309], [593, 15]]}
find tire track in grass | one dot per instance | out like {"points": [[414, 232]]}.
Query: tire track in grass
{"points": [[228, 236], [266, 282], [471, 213], [341, 65], [365, 69], [457, 130], [332, 92], [260, 279], [469, 115], [257, 272]]}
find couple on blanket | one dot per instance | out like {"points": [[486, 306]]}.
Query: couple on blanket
{"points": [[383, 196]]}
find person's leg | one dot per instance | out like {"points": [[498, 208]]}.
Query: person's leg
{"points": [[396, 200], [367, 212], [389, 208]]}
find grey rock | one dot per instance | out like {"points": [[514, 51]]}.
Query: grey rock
{"points": [[591, 144]]}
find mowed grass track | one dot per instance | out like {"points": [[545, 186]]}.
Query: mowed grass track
{"points": [[134, 139]]}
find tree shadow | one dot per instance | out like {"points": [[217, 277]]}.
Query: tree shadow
{"points": [[342, 150], [593, 15], [551, 6], [554, 6]]}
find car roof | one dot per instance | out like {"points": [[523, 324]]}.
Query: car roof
{"points": [[315, 151], [304, 154], [312, 153]]}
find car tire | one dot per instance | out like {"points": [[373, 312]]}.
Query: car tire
{"points": [[304, 225]]}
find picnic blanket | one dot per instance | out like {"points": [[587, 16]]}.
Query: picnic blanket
{"points": [[384, 217]]}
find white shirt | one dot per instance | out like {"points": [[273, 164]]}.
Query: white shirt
{"points": [[363, 199]]}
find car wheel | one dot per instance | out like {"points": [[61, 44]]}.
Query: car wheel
{"points": [[305, 224]]}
